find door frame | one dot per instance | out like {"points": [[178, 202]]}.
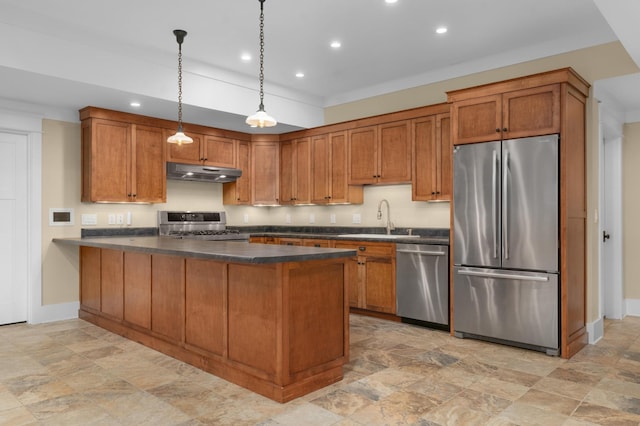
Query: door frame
{"points": [[30, 125]]}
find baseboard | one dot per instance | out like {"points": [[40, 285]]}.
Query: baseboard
{"points": [[56, 312], [632, 307], [595, 330]]}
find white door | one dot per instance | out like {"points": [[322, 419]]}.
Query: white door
{"points": [[611, 224], [13, 227]]}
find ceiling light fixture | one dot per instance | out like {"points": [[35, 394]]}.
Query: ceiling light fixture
{"points": [[336, 44], [300, 74], [179, 138], [441, 30], [261, 118]]}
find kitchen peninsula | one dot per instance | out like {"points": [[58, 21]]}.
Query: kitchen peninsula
{"points": [[273, 319]]}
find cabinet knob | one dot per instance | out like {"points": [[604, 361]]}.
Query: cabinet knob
{"points": [[433, 193], [497, 130], [316, 245], [129, 195], [362, 248], [374, 176], [205, 158], [238, 199]]}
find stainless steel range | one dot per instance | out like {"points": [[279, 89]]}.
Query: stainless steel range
{"points": [[210, 226]]}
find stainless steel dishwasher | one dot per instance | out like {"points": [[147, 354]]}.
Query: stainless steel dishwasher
{"points": [[422, 283]]}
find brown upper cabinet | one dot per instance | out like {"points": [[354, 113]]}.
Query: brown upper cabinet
{"points": [[207, 150], [239, 192], [432, 178], [515, 114], [295, 171], [265, 166], [380, 154], [121, 161], [329, 180]]}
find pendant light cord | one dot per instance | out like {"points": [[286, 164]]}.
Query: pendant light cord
{"points": [[180, 86], [261, 107]]}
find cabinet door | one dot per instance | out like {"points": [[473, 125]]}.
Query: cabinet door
{"points": [[90, 278], [112, 284], [380, 291], [219, 151], [149, 175], [316, 243], [190, 153], [167, 296], [287, 172], [355, 282], [531, 112], [239, 192], [444, 163], [265, 176], [290, 241], [302, 167], [320, 169], [394, 152], [477, 120], [106, 160], [137, 289], [424, 159], [205, 303], [363, 155]]}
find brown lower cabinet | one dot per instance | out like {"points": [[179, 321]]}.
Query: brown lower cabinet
{"points": [[371, 275], [279, 329]]}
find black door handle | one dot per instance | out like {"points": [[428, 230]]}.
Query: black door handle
{"points": [[605, 236]]}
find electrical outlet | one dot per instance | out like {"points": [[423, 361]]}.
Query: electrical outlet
{"points": [[245, 218], [129, 218], [112, 219], [332, 218], [312, 218], [356, 218], [120, 219], [287, 218]]}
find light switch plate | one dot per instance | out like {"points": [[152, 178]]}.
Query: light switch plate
{"points": [[312, 218], [332, 218], [89, 219], [287, 218], [356, 218]]}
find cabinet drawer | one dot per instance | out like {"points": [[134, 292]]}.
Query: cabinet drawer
{"points": [[368, 248]]}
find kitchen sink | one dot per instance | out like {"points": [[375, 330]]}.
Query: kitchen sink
{"points": [[378, 236]]}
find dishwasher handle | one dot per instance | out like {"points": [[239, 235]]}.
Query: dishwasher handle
{"points": [[425, 253]]}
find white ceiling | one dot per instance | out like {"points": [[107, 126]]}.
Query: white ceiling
{"points": [[73, 53]]}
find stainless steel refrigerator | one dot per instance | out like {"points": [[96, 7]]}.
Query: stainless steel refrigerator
{"points": [[506, 242]]}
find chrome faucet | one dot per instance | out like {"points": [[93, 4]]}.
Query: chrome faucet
{"points": [[389, 225]]}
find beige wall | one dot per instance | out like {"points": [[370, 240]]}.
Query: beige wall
{"points": [[631, 210], [61, 175]]}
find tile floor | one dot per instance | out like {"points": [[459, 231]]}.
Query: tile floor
{"points": [[74, 373]]}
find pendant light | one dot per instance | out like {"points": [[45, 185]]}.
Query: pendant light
{"points": [[179, 138], [261, 118]]}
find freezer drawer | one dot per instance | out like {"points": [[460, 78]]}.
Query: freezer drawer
{"points": [[514, 306], [422, 282]]}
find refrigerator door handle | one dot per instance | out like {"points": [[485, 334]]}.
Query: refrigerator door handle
{"points": [[504, 276], [494, 216], [505, 205]]}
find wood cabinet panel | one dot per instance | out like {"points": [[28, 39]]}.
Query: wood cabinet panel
{"points": [[287, 171], [112, 282], [295, 171], [90, 278], [149, 175], [394, 152], [137, 289], [531, 112], [167, 296], [477, 120], [190, 153], [432, 178], [316, 330], [219, 151], [320, 169], [205, 305], [289, 241], [379, 294], [265, 173], [239, 192], [363, 155], [253, 306], [308, 242]]}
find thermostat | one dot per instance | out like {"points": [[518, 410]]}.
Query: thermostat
{"points": [[60, 217]]}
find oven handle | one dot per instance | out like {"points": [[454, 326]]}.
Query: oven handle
{"points": [[425, 253]]}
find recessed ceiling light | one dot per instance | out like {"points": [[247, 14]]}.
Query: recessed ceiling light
{"points": [[390, 1], [336, 44], [299, 74], [245, 57], [441, 30], [135, 104]]}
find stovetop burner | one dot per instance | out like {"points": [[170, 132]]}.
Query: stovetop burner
{"points": [[197, 225]]}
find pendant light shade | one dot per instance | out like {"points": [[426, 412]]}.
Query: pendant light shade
{"points": [[179, 137], [261, 118]]}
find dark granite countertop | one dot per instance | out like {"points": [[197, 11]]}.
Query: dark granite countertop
{"points": [[228, 251]]}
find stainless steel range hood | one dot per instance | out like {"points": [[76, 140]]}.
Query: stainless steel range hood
{"points": [[179, 171]]}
